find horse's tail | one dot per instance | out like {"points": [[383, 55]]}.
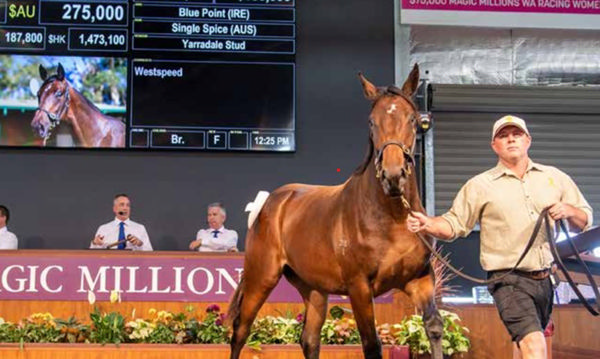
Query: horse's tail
{"points": [[233, 312], [255, 207]]}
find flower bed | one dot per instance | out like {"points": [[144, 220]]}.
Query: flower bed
{"points": [[208, 327]]}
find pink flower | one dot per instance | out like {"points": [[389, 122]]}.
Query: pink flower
{"points": [[300, 318], [213, 308], [220, 319]]}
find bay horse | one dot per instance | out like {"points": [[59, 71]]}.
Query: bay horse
{"points": [[59, 101], [349, 239]]}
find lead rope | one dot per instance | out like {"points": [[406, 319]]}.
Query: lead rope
{"points": [[563, 268], [543, 218], [439, 257]]}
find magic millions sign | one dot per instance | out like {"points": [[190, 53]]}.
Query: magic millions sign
{"points": [[556, 14], [160, 277]]}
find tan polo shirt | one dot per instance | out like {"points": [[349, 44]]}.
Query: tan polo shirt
{"points": [[507, 208]]}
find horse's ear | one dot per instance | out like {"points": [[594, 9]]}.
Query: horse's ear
{"points": [[60, 72], [412, 82], [43, 73], [371, 92]]}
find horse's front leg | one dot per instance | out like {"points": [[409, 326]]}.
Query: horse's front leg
{"points": [[421, 291], [361, 298]]}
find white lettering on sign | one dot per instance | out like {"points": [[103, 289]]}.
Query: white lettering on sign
{"points": [[154, 281], [21, 281], [91, 284], [586, 4], [224, 274], [133, 275], [74, 280], [15, 278], [178, 271], [44, 280]]}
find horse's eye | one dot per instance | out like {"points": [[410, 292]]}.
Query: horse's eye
{"points": [[371, 124], [58, 93]]}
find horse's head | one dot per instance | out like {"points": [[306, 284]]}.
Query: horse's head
{"points": [[53, 102], [393, 124]]}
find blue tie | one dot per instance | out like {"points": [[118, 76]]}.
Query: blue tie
{"points": [[215, 232], [121, 235]]}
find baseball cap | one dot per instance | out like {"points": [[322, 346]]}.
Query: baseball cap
{"points": [[509, 120]]}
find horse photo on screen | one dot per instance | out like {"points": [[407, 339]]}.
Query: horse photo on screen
{"points": [[349, 239], [59, 101]]}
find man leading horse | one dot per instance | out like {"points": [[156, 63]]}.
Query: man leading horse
{"points": [[507, 201]]}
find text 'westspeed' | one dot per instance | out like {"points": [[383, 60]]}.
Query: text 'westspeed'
{"points": [[155, 72]]}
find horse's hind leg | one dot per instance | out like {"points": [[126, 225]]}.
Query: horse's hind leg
{"points": [[315, 303], [421, 291], [361, 298], [434, 327], [316, 311], [261, 275]]}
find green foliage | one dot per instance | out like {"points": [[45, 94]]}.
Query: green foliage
{"points": [[181, 328], [38, 328], [212, 329], [139, 330], [165, 327], [97, 75], [72, 331], [189, 333], [274, 330], [340, 331], [340, 328], [454, 339], [107, 327], [161, 334], [337, 312], [8, 332], [411, 332]]}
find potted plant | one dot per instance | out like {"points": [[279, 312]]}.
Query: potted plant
{"points": [[107, 327], [411, 332]]}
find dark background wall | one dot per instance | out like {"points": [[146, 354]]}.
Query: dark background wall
{"points": [[58, 198]]}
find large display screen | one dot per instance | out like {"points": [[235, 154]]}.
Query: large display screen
{"points": [[187, 74]]}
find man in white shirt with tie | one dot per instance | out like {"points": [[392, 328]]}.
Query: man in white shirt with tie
{"points": [[8, 240], [216, 238], [122, 232]]}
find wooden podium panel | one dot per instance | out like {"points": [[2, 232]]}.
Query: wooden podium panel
{"points": [[575, 334], [188, 351]]}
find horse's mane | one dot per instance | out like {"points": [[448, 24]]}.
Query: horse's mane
{"points": [[368, 158], [54, 77], [89, 102]]}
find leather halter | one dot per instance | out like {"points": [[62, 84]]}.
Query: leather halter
{"points": [[408, 152], [408, 157], [55, 117]]}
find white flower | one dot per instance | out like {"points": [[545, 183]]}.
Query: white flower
{"points": [[115, 296], [141, 329], [91, 297]]}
